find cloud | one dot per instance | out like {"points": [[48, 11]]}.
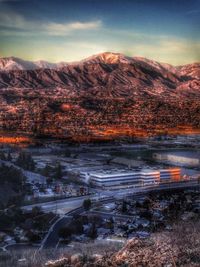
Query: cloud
{"points": [[89, 37], [65, 28], [11, 20], [13, 23]]}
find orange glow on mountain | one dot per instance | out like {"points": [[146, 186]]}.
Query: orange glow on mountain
{"points": [[110, 132], [183, 130], [65, 107], [14, 140], [103, 133]]}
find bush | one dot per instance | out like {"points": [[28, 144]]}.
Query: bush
{"points": [[65, 232], [87, 204]]}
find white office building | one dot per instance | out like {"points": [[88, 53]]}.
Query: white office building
{"points": [[115, 179], [171, 174], [128, 178], [150, 177]]}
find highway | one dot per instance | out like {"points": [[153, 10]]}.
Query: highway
{"points": [[66, 205], [62, 206]]}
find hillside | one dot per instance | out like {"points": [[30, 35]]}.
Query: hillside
{"points": [[105, 96], [177, 248]]}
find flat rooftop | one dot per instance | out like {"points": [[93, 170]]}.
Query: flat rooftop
{"points": [[184, 154], [123, 173], [111, 174]]}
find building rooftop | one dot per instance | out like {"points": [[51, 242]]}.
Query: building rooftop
{"points": [[185, 154], [149, 171], [116, 173], [122, 173]]}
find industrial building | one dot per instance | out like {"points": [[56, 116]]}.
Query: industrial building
{"points": [[150, 177], [170, 175], [112, 179], [131, 178], [190, 159]]}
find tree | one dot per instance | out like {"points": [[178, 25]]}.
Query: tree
{"points": [[25, 161], [77, 226], [87, 204], [111, 223], [2, 156], [124, 206], [58, 172], [36, 211], [92, 233], [33, 237], [13, 179], [67, 153], [65, 232], [9, 157], [5, 222], [46, 171]]}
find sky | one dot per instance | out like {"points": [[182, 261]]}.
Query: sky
{"points": [[70, 30]]}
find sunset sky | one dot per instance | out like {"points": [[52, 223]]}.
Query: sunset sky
{"points": [[70, 30]]}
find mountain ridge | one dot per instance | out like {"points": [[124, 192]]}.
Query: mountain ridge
{"points": [[105, 96], [104, 69], [15, 63]]}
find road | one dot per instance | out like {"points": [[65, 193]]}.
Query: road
{"points": [[107, 215], [51, 240], [64, 206]]}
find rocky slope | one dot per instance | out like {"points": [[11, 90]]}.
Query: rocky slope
{"points": [[105, 96], [177, 248], [135, 253]]}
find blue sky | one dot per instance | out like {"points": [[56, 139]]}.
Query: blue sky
{"points": [[70, 30]]}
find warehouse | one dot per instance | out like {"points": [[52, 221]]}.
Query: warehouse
{"points": [[182, 158]]}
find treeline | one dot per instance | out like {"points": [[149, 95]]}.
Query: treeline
{"points": [[12, 186]]}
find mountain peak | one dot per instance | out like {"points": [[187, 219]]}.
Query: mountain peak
{"points": [[108, 58]]}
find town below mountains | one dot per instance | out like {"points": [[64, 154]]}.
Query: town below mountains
{"points": [[104, 97]]}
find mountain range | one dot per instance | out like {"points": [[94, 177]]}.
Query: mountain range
{"points": [[105, 96], [14, 63]]}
